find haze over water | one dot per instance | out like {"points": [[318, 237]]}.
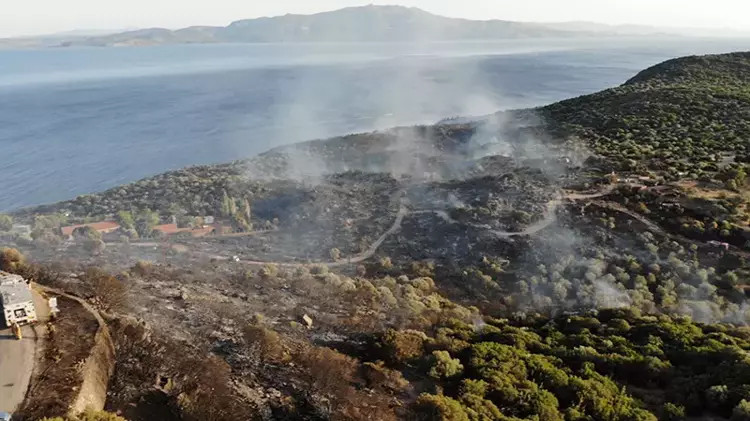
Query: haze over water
{"points": [[76, 121]]}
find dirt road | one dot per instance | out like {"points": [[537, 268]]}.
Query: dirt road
{"points": [[402, 212], [17, 359], [548, 218]]}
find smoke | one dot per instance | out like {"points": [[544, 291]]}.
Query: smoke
{"points": [[562, 273], [574, 270], [610, 295], [401, 90]]}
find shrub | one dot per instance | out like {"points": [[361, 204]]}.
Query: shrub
{"points": [[265, 343], [269, 270], [672, 412], [444, 366], [94, 246], [439, 408], [335, 254], [741, 412], [398, 347], [385, 264], [11, 260], [319, 270], [109, 292], [142, 268], [378, 375], [328, 371], [6, 223]]}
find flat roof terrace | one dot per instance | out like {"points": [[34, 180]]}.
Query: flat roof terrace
{"points": [[15, 294], [10, 279]]}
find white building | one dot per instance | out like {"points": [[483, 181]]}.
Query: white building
{"points": [[16, 301]]}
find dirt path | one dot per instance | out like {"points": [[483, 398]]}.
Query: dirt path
{"points": [[549, 217], [17, 359], [652, 226], [403, 211]]}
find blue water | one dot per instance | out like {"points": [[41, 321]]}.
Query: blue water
{"points": [[76, 121]]}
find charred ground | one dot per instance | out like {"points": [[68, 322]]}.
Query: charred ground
{"points": [[464, 261]]}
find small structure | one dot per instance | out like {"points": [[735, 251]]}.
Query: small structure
{"points": [[208, 220], [17, 304], [53, 308], [105, 227], [719, 244]]}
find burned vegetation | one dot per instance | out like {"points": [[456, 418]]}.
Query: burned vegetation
{"points": [[583, 261]]}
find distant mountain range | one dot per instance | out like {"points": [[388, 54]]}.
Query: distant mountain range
{"points": [[354, 24]]}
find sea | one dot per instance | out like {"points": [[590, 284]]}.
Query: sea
{"points": [[80, 120]]}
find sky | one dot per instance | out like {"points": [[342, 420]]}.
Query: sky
{"points": [[30, 17]]}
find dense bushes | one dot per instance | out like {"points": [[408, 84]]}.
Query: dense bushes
{"points": [[611, 365], [679, 116]]}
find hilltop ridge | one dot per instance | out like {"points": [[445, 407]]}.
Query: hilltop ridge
{"points": [[352, 24], [720, 67]]}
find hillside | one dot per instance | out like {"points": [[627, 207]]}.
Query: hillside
{"points": [[681, 116], [355, 24], [587, 260]]}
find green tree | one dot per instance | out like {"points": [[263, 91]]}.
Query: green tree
{"points": [[672, 412], [247, 210], [126, 220], [86, 232], [742, 411], [145, 222], [6, 222], [228, 205], [94, 246]]}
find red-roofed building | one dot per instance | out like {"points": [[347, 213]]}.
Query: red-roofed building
{"points": [[100, 227], [171, 229], [202, 232]]}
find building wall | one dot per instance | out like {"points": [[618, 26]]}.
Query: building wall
{"points": [[9, 313]]}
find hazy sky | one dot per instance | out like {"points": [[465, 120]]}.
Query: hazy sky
{"points": [[45, 16]]}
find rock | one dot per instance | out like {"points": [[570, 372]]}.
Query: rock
{"points": [[308, 321]]}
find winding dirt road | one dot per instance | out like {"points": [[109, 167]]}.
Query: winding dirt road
{"points": [[549, 217], [403, 211], [654, 227]]}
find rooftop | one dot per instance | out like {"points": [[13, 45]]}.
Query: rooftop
{"points": [[15, 294], [169, 228], [97, 226], [10, 279]]}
